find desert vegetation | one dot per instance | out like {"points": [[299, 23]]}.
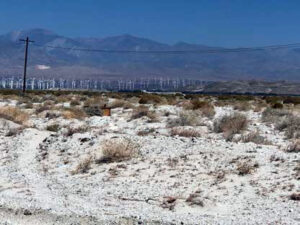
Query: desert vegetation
{"points": [[178, 154]]}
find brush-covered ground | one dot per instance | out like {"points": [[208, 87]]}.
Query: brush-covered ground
{"points": [[158, 159]]}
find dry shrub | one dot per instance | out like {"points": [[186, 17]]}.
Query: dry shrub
{"points": [[14, 114], [142, 111], [53, 127], [14, 131], [295, 196], [206, 108], [277, 105], [259, 105], [245, 168], [290, 124], [270, 115], [42, 108], [93, 106], [197, 104], [118, 149], [294, 146], [63, 98], [255, 137], [118, 103], [231, 124], [75, 102], [292, 100], [93, 110], [50, 103], [145, 132], [184, 132], [75, 130], [74, 113], [208, 111], [170, 99], [150, 99], [28, 105], [83, 166], [195, 199], [242, 106], [52, 115], [284, 121], [185, 118], [96, 101], [35, 98]]}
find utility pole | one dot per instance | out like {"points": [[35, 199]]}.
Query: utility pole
{"points": [[27, 41]]}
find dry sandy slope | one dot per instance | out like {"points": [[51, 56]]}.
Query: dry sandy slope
{"points": [[138, 190]]}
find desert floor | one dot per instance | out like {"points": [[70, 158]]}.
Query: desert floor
{"points": [[150, 162]]}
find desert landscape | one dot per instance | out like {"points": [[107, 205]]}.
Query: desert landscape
{"points": [[158, 159]]}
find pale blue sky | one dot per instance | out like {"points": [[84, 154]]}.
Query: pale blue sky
{"points": [[228, 23]]}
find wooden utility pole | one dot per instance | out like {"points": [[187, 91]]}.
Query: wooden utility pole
{"points": [[27, 41]]}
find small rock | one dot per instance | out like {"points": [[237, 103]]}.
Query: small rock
{"points": [[27, 212]]}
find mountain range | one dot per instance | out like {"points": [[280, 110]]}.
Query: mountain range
{"points": [[65, 62]]}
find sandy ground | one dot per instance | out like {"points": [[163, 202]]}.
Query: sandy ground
{"points": [[174, 180]]}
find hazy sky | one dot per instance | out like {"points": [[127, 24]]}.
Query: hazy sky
{"points": [[229, 23]]}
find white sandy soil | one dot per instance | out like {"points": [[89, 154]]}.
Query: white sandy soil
{"points": [[174, 180]]}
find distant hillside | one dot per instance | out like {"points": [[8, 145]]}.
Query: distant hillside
{"points": [[249, 87], [283, 64]]}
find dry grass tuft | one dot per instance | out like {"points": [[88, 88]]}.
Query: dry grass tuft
{"points": [[14, 131], [294, 146], [75, 102], [42, 108], [184, 132], [270, 115], [242, 106], [284, 121], [205, 107], [84, 166], [74, 113], [150, 99], [290, 124], [146, 132], [75, 130], [53, 127], [14, 114], [185, 118], [245, 168], [93, 106], [255, 137], [231, 124], [118, 103], [142, 111], [119, 149]]}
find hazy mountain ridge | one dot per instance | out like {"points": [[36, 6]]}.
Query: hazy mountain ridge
{"points": [[283, 64]]}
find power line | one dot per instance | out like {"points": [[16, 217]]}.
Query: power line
{"points": [[27, 41], [221, 50]]}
